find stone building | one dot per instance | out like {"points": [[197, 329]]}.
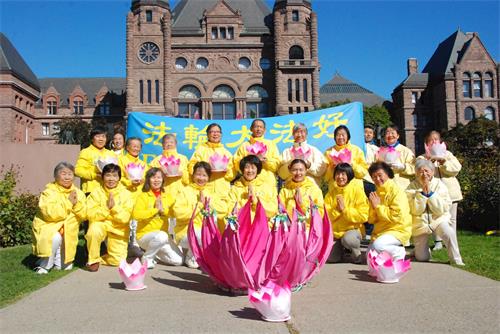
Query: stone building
{"points": [[222, 59], [459, 83]]}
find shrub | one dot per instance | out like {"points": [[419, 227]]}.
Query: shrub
{"points": [[16, 211], [476, 146]]}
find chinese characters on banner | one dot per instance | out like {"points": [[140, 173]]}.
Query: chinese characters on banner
{"points": [[192, 132]]}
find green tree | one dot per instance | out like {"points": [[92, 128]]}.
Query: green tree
{"points": [[374, 115], [73, 130]]}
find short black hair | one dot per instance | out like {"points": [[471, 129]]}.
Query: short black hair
{"points": [[297, 161], [204, 165], [381, 165], [344, 168], [368, 126], [252, 160], [111, 168], [258, 120], [132, 138], [213, 125], [149, 174], [392, 126], [98, 130], [342, 127]]}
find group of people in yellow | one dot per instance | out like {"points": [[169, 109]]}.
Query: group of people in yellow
{"points": [[128, 201]]}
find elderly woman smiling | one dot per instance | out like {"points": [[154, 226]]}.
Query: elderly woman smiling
{"points": [[61, 208], [430, 203]]}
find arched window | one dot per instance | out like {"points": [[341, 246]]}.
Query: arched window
{"points": [[78, 105], [466, 85], [51, 106], [297, 90], [469, 114], [489, 113], [189, 102], [201, 63], [488, 85], [290, 94], [257, 102], [181, 63], [296, 52], [304, 90], [476, 84], [223, 105]]}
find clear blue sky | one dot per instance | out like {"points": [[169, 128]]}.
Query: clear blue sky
{"points": [[366, 41]]}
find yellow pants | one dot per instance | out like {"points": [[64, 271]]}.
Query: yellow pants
{"points": [[117, 244]]}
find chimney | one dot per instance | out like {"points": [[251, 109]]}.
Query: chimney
{"points": [[412, 65]]}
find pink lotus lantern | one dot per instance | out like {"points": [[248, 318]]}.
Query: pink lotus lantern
{"points": [[171, 164], [133, 274], [106, 161], [436, 150], [272, 301], [218, 162], [384, 268], [338, 157], [301, 152], [388, 154], [258, 148], [135, 172]]}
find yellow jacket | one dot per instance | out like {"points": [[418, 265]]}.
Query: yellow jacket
{"points": [[447, 173], [406, 157], [307, 188], [269, 167], [267, 193], [123, 161], [356, 208], [174, 184], [219, 182], [317, 161], [86, 166], [55, 211], [147, 215], [119, 216], [184, 206], [428, 212], [392, 215], [358, 162]]}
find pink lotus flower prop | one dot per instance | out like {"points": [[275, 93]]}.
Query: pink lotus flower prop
{"points": [[135, 171], [436, 150], [384, 268], [258, 148], [219, 162], [133, 274], [388, 154], [344, 155], [171, 164], [106, 161], [301, 152], [272, 301]]}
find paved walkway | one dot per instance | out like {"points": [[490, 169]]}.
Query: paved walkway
{"points": [[432, 298]]}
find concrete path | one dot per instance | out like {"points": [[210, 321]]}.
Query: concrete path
{"points": [[432, 298]]}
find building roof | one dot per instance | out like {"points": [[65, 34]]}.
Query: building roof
{"points": [[11, 61], [416, 80], [447, 53], [187, 15], [341, 89], [90, 86]]}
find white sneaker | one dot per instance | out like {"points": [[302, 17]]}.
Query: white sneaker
{"points": [[69, 266], [151, 263], [437, 246], [41, 271], [459, 263], [190, 262]]}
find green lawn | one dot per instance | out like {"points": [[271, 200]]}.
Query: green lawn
{"points": [[480, 253]]}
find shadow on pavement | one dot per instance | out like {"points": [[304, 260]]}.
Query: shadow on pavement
{"points": [[117, 286], [247, 313], [191, 281], [361, 275]]}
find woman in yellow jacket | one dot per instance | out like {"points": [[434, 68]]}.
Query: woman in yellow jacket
{"points": [[270, 161], [86, 165], [342, 137], [191, 197], [298, 191], [219, 182], [389, 213], [347, 207], [446, 170], [109, 210], [133, 149], [151, 211], [251, 184], [404, 167], [61, 208]]}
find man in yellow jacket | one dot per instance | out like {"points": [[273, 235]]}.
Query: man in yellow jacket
{"points": [[86, 166], [389, 213], [109, 210], [61, 208], [270, 160], [347, 208]]}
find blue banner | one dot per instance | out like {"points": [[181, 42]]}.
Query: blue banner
{"points": [[192, 132]]}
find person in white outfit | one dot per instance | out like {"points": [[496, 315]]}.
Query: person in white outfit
{"points": [[430, 203]]}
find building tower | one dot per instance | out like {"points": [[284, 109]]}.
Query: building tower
{"points": [[148, 56], [296, 52]]}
